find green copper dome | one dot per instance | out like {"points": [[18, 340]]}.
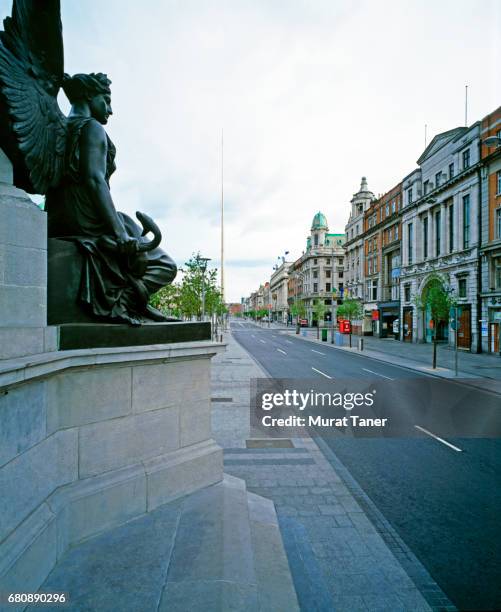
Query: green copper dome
{"points": [[319, 222]]}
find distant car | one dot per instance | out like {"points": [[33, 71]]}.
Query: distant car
{"points": [[303, 322]]}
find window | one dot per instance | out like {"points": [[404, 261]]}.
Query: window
{"points": [[369, 265], [341, 289], [497, 273], [410, 240], [368, 290], [340, 259], [407, 293], [328, 287], [498, 182], [393, 207], [387, 210], [327, 274], [498, 223], [315, 287], [438, 178], [409, 195], [438, 226], [340, 274], [451, 170], [328, 261], [374, 290], [316, 239], [462, 287], [426, 187], [425, 237], [315, 274], [466, 221], [466, 159], [451, 228], [396, 232], [315, 261]]}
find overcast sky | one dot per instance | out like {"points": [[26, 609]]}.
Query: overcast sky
{"points": [[311, 94]]}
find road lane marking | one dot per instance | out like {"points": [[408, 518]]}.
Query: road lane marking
{"points": [[253, 335], [377, 374], [280, 351], [262, 341], [288, 342], [323, 373], [314, 351], [459, 450]]}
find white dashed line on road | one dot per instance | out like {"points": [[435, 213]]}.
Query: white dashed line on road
{"points": [[323, 373], [459, 450], [253, 336], [314, 351], [377, 374], [288, 342], [280, 351], [262, 341]]}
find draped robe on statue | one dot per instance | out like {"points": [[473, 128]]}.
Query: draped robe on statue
{"points": [[111, 285]]}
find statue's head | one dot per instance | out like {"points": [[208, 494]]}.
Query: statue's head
{"points": [[92, 89]]}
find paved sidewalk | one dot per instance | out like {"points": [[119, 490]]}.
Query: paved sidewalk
{"points": [[480, 370], [342, 553]]}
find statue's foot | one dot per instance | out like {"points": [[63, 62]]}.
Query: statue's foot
{"points": [[155, 315]]}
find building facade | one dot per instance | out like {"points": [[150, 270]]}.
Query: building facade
{"points": [[354, 255], [318, 275], [441, 238], [490, 249], [381, 240], [279, 292]]}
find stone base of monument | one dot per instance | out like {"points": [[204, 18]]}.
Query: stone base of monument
{"points": [[93, 438]]}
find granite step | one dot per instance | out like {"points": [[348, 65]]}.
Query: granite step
{"points": [[214, 550], [274, 581], [212, 566]]}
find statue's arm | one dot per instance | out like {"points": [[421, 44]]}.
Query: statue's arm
{"points": [[93, 149]]}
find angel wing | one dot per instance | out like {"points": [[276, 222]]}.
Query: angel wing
{"points": [[31, 73]]}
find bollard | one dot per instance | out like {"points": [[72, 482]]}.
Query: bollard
{"points": [[360, 344]]}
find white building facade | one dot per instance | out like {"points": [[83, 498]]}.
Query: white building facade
{"points": [[354, 245], [441, 238]]}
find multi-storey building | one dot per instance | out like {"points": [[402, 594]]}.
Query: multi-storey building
{"points": [[279, 291], [490, 250], [381, 240], [440, 235], [354, 256], [319, 272]]}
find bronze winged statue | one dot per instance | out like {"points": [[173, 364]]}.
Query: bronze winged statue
{"points": [[70, 161]]}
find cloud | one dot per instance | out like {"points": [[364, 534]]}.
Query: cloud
{"points": [[311, 96]]}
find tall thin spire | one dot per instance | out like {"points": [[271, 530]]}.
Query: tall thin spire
{"points": [[466, 105], [222, 216]]}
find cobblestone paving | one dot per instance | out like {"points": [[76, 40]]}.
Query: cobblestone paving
{"points": [[342, 553]]}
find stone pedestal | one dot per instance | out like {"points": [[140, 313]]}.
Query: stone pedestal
{"points": [[23, 272], [90, 439]]}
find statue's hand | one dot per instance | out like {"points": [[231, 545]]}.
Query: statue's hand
{"points": [[126, 245]]}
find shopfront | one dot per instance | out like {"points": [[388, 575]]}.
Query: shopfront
{"points": [[407, 324], [388, 313], [494, 330]]}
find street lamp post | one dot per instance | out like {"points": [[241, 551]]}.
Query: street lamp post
{"points": [[202, 266]]}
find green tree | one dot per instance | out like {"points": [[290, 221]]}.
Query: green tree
{"points": [[439, 301], [319, 310], [185, 299], [350, 309], [298, 310], [167, 300]]}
